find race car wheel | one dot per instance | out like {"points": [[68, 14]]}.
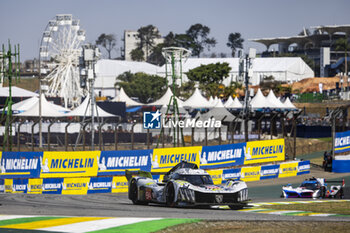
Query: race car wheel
{"points": [[340, 193], [133, 192], [170, 195]]}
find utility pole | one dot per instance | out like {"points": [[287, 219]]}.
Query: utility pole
{"points": [[247, 74]]}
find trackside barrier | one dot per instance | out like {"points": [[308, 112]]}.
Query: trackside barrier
{"points": [[119, 184], [62, 164]]}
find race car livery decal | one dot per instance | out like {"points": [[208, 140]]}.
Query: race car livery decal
{"points": [[222, 156]]}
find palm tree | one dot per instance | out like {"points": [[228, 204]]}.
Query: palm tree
{"points": [[147, 36], [235, 42]]}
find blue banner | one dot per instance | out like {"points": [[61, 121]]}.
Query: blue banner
{"points": [[222, 156], [2, 185], [100, 185], [19, 185], [115, 162], [233, 173], [269, 172], [20, 164], [342, 142], [303, 167], [52, 185]]}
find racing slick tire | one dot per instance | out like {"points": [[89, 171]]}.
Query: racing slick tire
{"points": [[133, 194], [170, 195], [340, 194]]}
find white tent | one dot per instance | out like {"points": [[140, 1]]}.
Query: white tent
{"points": [[259, 101], [218, 114], [197, 101], [276, 103], [23, 105], [123, 97], [47, 109], [16, 92], [164, 100], [211, 100], [228, 102], [235, 104], [219, 104], [84, 109], [288, 104]]}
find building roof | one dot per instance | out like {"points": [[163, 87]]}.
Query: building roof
{"points": [[16, 92], [123, 97], [197, 100], [108, 70]]}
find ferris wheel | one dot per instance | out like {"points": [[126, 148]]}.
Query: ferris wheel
{"points": [[59, 58]]}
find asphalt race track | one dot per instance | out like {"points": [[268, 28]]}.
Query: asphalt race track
{"points": [[118, 205]]}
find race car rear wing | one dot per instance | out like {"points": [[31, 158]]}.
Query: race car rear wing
{"points": [[336, 182], [130, 174]]}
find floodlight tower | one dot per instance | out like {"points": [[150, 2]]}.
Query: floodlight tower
{"points": [[90, 55], [174, 56], [248, 74], [8, 70]]}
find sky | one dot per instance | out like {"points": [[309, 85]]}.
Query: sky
{"points": [[23, 21]]}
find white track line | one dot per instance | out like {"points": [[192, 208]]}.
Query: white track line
{"points": [[8, 217], [96, 225]]}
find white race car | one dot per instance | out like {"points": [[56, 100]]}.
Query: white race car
{"points": [[186, 185]]}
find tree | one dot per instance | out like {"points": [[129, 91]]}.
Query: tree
{"points": [[210, 76], [143, 86], [342, 44], [137, 54], [147, 36], [235, 42], [107, 41], [198, 34]]}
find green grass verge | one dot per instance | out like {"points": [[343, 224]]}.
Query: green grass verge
{"points": [[148, 226], [342, 208]]}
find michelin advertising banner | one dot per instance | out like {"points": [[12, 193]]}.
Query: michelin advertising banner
{"points": [[20, 164], [59, 164], [269, 172], [166, 158], [222, 156], [264, 151], [115, 162], [342, 142]]}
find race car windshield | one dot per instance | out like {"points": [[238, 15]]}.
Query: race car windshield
{"points": [[311, 186], [197, 179]]}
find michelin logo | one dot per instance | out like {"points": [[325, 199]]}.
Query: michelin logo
{"points": [[221, 155], [269, 172]]}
